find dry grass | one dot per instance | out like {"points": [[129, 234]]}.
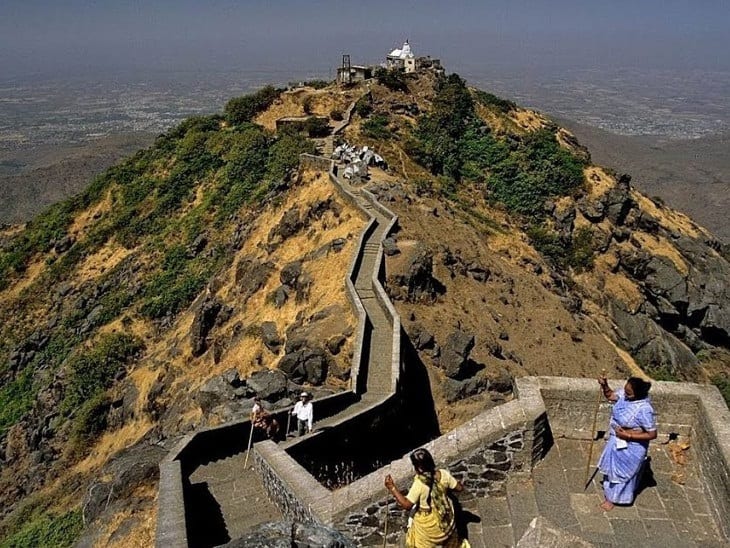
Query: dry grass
{"points": [[670, 219], [528, 119], [659, 245], [32, 271], [104, 259], [246, 352], [289, 103], [84, 220], [140, 522], [599, 181], [111, 443]]}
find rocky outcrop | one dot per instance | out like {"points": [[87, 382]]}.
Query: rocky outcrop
{"points": [[455, 353], [251, 275], [205, 319], [418, 283]]}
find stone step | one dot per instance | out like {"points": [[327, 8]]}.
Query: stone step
{"points": [[522, 505]]}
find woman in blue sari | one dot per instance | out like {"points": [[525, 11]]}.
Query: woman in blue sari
{"points": [[632, 426]]}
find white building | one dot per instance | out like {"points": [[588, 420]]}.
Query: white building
{"points": [[402, 58]]}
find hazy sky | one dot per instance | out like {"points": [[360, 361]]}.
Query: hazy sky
{"points": [[79, 36]]}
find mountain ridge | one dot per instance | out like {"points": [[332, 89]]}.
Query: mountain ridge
{"points": [[212, 256]]}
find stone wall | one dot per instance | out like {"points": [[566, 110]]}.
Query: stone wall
{"points": [[311, 161], [483, 472]]}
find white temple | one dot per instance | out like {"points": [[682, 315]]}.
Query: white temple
{"points": [[402, 58]]}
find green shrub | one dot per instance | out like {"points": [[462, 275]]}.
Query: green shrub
{"points": [[243, 109], [363, 107], [307, 104], [582, 251], [92, 371], [46, 529], [489, 100], [376, 127], [393, 79], [16, 399], [89, 423], [578, 253], [337, 115], [317, 84], [316, 127]]}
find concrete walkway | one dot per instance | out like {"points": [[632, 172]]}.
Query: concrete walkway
{"points": [[665, 514]]}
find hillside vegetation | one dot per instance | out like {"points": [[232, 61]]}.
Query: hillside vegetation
{"points": [[130, 311]]}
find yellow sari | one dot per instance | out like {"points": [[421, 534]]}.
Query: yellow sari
{"points": [[433, 527]]}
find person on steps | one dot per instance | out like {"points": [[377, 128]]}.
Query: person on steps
{"points": [[631, 428], [304, 412], [260, 418], [434, 520]]}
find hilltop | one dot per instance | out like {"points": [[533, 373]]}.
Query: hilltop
{"points": [[151, 303]]}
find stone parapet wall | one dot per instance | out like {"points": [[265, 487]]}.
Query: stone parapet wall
{"points": [[311, 161], [171, 530]]}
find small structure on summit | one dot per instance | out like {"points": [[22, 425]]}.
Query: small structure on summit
{"points": [[401, 58], [348, 73], [404, 59]]}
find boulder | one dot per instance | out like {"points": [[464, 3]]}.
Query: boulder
{"points": [[455, 353], [420, 337], [418, 284], [251, 275], [390, 247], [288, 225], [130, 469], [269, 385], [203, 322], [213, 393], [270, 337], [338, 244], [289, 275], [305, 365]]}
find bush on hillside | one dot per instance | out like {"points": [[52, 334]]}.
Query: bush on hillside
{"points": [[93, 370], [316, 127], [376, 127], [393, 79], [244, 109], [364, 106], [489, 100], [47, 529]]}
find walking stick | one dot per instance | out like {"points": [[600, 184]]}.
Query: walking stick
{"points": [[387, 511], [248, 449], [593, 432]]}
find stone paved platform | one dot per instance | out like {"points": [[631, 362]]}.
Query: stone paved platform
{"points": [[665, 513]]}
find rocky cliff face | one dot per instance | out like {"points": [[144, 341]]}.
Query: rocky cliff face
{"points": [[208, 269]]}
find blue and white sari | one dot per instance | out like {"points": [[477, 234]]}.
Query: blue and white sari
{"points": [[622, 466]]}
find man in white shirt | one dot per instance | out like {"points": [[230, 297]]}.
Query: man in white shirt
{"points": [[304, 413]]}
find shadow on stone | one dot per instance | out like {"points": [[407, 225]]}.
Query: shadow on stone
{"points": [[204, 518], [647, 477], [463, 517]]}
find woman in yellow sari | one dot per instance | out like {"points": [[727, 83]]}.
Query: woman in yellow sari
{"points": [[434, 524]]}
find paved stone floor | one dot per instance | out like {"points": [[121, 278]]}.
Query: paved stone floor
{"points": [[665, 513]]}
